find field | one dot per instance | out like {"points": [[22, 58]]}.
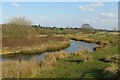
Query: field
{"points": [[102, 63], [26, 39]]}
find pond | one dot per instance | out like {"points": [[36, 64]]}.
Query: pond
{"points": [[75, 46]]}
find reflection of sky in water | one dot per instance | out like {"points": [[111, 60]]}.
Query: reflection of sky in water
{"points": [[80, 45], [75, 46]]}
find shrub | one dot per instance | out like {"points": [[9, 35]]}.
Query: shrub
{"points": [[111, 71], [85, 57], [113, 58], [50, 59], [20, 21]]}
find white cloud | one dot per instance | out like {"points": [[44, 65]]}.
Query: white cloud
{"points": [[108, 15], [97, 4], [15, 4], [85, 8], [90, 7]]}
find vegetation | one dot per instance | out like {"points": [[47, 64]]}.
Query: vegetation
{"points": [[89, 65], [16, 69], [27, 69], [23, 38], [19, 37]]}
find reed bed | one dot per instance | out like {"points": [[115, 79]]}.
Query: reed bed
{"points": [[36, 45], [50, 59], [16, 69], [28, 69], [84, 56], [111, 71]]}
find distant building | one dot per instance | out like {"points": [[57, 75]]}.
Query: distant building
{"points": [[86, 26]]}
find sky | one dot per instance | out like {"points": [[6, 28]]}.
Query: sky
{"points": [[100, 15]]}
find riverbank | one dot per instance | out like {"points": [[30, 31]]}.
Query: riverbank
{"points": [[47, 47], [86, 65], [27, 40], [104, 39], [102, 63], [79, 64]]}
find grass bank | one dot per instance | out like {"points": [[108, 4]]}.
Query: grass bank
{"points": [[26, 40], [102, 63], [84, 65], [30, 68]]}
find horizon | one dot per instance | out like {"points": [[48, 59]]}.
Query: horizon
{"points": [[100, 15]]}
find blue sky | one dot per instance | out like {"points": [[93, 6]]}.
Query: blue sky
{"points": [[64, 14]]}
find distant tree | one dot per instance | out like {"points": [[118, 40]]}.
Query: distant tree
{"points": [[39, 25], [35, 26], [76, 28], [54, 27], [61, 28]]}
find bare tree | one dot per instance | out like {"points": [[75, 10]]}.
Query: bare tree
{"points": [[20, 21], [23, 24]]}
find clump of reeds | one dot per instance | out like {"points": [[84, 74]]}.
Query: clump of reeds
{"points": [[50, 59], [113, 58], [16, 69], [85, 57], [111, 71]]}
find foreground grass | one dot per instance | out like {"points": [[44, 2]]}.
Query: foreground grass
{"points": [[89, 65], [73, 67], [16, 69], [60, 65], [28, 69], [63, 65]]}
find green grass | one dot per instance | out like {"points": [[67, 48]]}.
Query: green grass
{"points": [[28, 69], [93, 68], [34, 40]]}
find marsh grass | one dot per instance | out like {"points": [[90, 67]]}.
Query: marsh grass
{"points": [[111, 71], [28, 69], [16, 69], [25, 39], [112, 58], [35, 45], [84, 56], [50, 59], [102, 38]]}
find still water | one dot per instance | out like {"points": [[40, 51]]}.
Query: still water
{"points": [[75, 46]]}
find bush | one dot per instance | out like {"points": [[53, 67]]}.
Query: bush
{"points": [[111, 71], [20, 21]]}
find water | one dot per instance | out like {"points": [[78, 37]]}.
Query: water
{"points": [[75, 46], [79, 46]]}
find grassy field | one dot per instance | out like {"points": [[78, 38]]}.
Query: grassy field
{"points": [[102, 63], [26, 39]]}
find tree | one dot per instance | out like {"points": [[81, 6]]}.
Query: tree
{"points": [[39, 25], [21, 26]]}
